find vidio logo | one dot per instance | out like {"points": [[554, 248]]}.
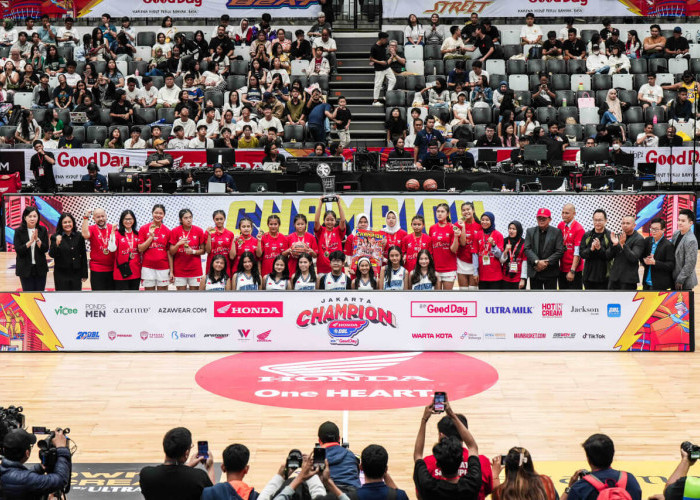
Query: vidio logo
{"points": [[65, 311]]}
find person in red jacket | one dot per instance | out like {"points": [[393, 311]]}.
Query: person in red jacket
{"points": [[187, 244], [467, 276], [513, 258], [488, 246], [413, 243], [270, 245], [571, 264], [445, 242], [124, 241]]}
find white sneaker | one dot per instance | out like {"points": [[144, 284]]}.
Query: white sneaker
{"points": [[377, 103]]}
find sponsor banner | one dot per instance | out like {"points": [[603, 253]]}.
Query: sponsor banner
{"points": [[675, 164], [71, 164], [506, 208], [347, 321], [394, 9]]}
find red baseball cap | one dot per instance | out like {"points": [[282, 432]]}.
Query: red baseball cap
{"points": [[544, 212]]}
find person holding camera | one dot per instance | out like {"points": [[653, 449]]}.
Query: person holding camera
{"points": [[292, 468], [235, 467], [448, 455], [180, 476], [585, 485], [679, 485], [19, 482], [343, 463]]}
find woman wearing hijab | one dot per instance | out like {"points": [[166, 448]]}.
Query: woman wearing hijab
{"points": [[513, 258], [612, 108], [489, 247], [392, 230]]}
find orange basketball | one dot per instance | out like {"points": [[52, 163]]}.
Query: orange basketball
{"points": [[412, 185], [430, 185], [298, 248]]}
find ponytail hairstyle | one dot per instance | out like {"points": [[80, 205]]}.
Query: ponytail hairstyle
{"points": [[447, 209], [182, 213], [312, 270], [522, 482], [388, 268], [416, 274], [277, 218]]}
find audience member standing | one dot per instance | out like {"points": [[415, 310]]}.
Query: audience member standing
{"points": [[379, 57], [686, 251], [571, 266]]}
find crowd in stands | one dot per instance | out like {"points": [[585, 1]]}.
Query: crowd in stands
{"points": [[470, 253], [453, 471], [111, 78], [590, 84]]}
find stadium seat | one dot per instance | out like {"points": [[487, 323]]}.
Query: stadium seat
{"points": [[633, 114], [664, 79], [292, 145], [4, 52], [80, 67], [482, 115], [535, 66], [66, 52], [235, 82], [259, 186], [516, 67], [496, 79], [148, 115], [589, 130], [167, 114], [658, 66], [294, 133], [122, 128], [556, 66], [583, 80], [589, 116], [322, 81], [518, 82], [415, 66], [479, 130], [413, 52], [523, 97], [599, 95], [23, 145], [620, 81], [600, 82], [628, 96], [694, 50], [433, 67], [561, 81], [432, 52], [669, 95], [64, 115], [495, 66], [396, 35], [123, 67], [158, 81], [24, 99], [677, 65], [7, 131], [311, 187], [395, 98], [546, 115], [79, 133], [143, 52], [586, 35], [575, 131], [511, 50], [576, 66], [510, 37], [658, 111], [633, 130], [534, 82], [146, 38], [145, 131], [660, 129], [179, 80], [104, 116], [638, 80], [141, 66], [569, 95], [564, 113], [415, 81], [241, 67], [216, 96], [638, 66]]}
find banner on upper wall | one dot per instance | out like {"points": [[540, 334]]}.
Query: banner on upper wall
{"points": [[506, 208], [397, 9], [347, 321]]}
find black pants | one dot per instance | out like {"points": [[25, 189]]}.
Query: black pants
{"points": [[510, 285], [543, 283], [101, 280], [565, 284], [647, 287], [489, 285], [33, 283], [127, 284], [596, 285], [617, 285], [67, 282]]}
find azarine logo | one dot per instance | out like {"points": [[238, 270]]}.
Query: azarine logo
{"points": [[443, 309], [248, 309]]}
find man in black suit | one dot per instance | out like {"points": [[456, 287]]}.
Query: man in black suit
{"points": [[626, 249], [660, 258], [544, 247]]}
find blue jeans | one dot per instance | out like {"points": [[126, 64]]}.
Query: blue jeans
{"points": [[154, 72], [318, 133], [604, 70], [608, 117]]}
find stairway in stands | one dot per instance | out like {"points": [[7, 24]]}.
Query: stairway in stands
{"points": [[355, 80]]}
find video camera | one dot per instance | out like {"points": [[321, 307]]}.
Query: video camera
{"points": [[691, 449], [294, 461], [47, 451], [10, 418]]}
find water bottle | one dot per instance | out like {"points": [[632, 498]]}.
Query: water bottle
{"points": [[580, 85], [537, 181], [503, 188], [136, 73], [517, 185], [563, 102], [655, 120]]}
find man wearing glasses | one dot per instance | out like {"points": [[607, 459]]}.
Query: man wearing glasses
{"points": [[659, 258]]}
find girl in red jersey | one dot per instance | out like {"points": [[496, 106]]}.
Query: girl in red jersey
{"points": [[101, 259], [489, 248], [219, 241], [157, 268], [300, 242], [467, 276], [245, 242], [187, 244], [513, 258], [394, 233], [329, 236], [270, 245], [445, 241], [124, 241], [415, 242], [361, 224]]}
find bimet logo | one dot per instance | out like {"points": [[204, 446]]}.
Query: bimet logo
{"points": [[65, 311], [443, 309], [248, 309], [175, 335], [614, 310], [88, 336], [552, 310], [345, 381]]}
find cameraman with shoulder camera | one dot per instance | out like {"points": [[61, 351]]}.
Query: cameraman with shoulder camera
{"points": [[19, 482], [680, 485]]}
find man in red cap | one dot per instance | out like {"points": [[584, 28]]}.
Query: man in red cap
{"points": [[544, 247], [571, 267]]}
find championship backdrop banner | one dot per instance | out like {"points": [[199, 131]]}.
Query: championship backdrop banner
{"points": [[506, 207], [347, 321]]}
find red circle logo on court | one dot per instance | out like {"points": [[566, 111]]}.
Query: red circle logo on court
{"points": [[345, 381]]}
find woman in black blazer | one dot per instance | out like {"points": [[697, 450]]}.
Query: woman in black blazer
{"points": [[70, 266], [31, 244]]}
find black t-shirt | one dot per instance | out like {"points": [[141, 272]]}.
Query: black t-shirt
{"points": [[399, 154], [575, 48], [466, 161], [665, 142], [302, 51], [609, 44], [396, 127], [344, 115], [492, 33], [549, 45], [378, 52], [120, 109], [173, 482], [484, 45], [673, 43], [226, 44], [483, 142], [675, 490], [44, 177]]}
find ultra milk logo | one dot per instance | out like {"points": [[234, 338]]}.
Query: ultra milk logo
{"points": [[443, 309], [614, 310], [248, 309]]}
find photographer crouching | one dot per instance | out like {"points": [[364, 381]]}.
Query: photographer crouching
{"points": [[679, 485], [20, 483]]}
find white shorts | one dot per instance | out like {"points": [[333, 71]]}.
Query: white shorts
{"points": [[465, 268], [448, 276], [155, 277], [187, 281]]}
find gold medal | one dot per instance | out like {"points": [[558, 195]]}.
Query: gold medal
{"points": [[105, 251]]}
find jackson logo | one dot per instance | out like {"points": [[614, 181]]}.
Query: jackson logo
{"points": [[443, 309], [552, 310], [248, 309]]}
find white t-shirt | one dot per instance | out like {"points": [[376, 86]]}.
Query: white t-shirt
{"points": [[189, 126], [134, 96], [212, 128], [195, 143], [649, 93], [149, 95], [473, 77], [648, 142], [530, 33], [413, 32], [328, 44], [451, 43], [254, 129], [63, 32], [176, 143], [263, 125], [139, 144]]}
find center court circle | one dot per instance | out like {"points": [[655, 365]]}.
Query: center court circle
{"points": [[345, 381]]}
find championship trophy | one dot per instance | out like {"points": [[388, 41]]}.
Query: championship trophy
{"points": [[323, 170]]}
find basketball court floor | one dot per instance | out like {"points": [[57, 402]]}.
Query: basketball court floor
{"points": [[119, 405]]}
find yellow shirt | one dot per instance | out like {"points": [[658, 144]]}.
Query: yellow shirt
{"points": [[692, 89], [247, 144]]}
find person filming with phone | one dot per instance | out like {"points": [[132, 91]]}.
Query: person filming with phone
{"points": [[448, 455], [19, 482], [180, 476]]}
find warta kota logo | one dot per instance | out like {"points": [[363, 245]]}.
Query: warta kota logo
{"points": [[345, 380]]}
